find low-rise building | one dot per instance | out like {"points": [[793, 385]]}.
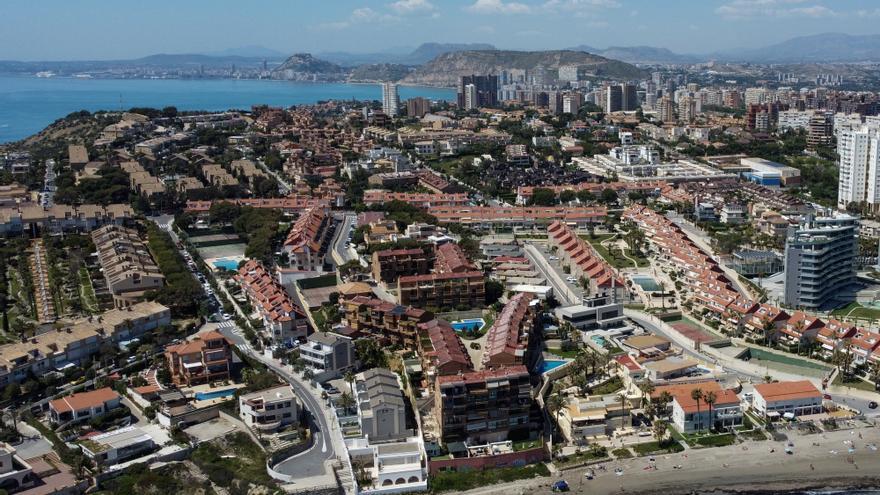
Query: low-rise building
{"points": [[599, 312], [507, 340], [583, 419], [128, 268], [308, 240], [57, 218], [443, 290], [15, 473], [329, 355], [269, 409], [391, 264], [381, 405], [391, 467], [83, 406], [394, 323], [204, 359], [690, 414], [800, 398], [441, 350], [282, 318], [114, 447]]}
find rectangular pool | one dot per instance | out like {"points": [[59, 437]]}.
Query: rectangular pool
{"points": [[214, 394], [226, 264], [551, 364], [473, 324], [646, 283]]}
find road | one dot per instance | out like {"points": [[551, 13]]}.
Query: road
{"points": [[564, 292], [283, 186], [340, 252]]}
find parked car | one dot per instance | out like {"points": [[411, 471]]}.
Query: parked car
{"points": [[560, 486]]}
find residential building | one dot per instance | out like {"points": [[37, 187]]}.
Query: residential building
{"points": [[584, 262], [583, 419], [390, 99], [507, 340], [819, 261], [443, 290], [485, 406], [441, 350], [859, 165], [381, 405], [485, 89], [117, 446], [449, 258], [83, 406], [204, 359], [17, 474], [471, 99], [800, 398], [486, 218], [391, 264], [269, 409], [418, 107], [395, 323], [308, 240], [283, 320], [689, 415], [821, 130], [391, 467], [128, 268], [613, 99], [328, 354]]}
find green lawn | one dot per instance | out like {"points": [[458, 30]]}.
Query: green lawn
{"points": [[670, 446], [856, 383], [856, 310], [526, 445], [622, 453], [609, 387], [87, 291], [614, 258], [461, 481], [714, 440], [564, 354]]}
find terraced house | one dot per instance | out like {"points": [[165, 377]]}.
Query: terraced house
{"points": [[127, 265], [283, 320], [507, 341], [308, 239], [394, 323], [204, 359]]}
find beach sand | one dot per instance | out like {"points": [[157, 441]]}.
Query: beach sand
{"points": [[747, 467]]}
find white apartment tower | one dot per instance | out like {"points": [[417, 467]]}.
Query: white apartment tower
{"points": [[859, 151], [470, 97], [390, 99]]}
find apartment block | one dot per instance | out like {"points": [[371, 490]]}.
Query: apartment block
{"points": [[308, 240], [485, 406], [204, 359], [820, 261], [282, 319], [128, 267], [441, 350], [443, 290], [395, 323], [329, 355], [391, 264], [26, 217], [507, 340]]}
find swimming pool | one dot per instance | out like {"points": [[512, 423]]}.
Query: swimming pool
{"points": [[469, 324], [226, 264], [214, 394], [646, 283], [551, 364], [599, 340]]}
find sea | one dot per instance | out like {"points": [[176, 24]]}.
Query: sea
{"points": [[28, 104]]}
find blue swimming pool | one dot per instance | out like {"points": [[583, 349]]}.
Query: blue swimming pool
{"points": [[646, 283], [599, 340], [550, 364], [215, 394], [226, 264], [469, 324]]}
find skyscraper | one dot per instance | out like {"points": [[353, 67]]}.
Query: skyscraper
{"points": [[471, 98], [820, 130], [418, 106], [613, 99], [485, 86], [629, 100], [859, 180], [390, 99], [667, 109], [819, 260]]}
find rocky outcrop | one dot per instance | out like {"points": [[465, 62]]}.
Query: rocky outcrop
{"points": [[445, 69]]}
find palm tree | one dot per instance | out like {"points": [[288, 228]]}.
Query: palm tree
{"points": [[349, 378], [647, 388], [662, 286], [622, 398], [346, 402], [697, 395], [555, 403], [663, 401], [710, 398], [769, 329]]}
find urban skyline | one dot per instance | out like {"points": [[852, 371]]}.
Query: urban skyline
{"points": [[81, 31]]}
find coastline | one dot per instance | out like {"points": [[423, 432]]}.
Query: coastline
{"points": [[747, 468]]}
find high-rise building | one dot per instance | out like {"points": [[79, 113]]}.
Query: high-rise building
{"points": [[820, 130], [629, 97], [486, 88], [568, 73], [859, 180], [819, 260], [418, 106], [471, 98], [687, 108], [572, 102], [613, 99], [667, 109], [390, 99]]}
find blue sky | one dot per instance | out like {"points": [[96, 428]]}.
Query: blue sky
{"points": [[105, 29]]}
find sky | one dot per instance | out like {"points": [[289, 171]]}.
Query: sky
{"points": [[105, 29]]}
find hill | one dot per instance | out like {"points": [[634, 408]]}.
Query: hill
{"points": [[429, 51], [379, 72], [641, 54], [445, 69], [827, 47], [303, 66], [408, 56]]}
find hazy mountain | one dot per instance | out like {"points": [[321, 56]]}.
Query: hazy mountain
{"points": [[401, 56], [256, 51], [641, 54], [827, 47], [379, 72], [445, 69], [304, 66]]}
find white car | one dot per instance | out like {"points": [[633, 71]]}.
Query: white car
{"points": [[225, 315]]}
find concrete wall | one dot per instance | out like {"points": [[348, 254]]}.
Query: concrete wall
{"points": [[512, 459]]}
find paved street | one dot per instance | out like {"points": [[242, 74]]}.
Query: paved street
{"points": [[567, 294], [340, 253]]}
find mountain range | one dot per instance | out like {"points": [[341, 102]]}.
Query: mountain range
{"points": [[417, 56]]}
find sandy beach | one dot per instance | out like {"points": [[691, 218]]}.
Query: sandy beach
{"points": [[748, 467]]}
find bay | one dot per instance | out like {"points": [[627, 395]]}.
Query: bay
{"points": [[29, 104]]}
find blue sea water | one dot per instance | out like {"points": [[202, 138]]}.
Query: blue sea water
{"points": [[28, 104]]}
